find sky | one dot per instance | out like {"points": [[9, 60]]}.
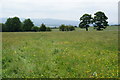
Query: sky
{"points": [[58, 9]]}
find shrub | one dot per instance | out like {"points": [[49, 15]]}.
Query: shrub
{"points": [[35, 28], [48, 29], [42, 27], [66, 28]]}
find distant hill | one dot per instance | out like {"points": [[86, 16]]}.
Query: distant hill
{"points": [[48, 22]]}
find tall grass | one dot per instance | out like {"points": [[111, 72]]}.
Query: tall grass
{"points": [[76, 54]]}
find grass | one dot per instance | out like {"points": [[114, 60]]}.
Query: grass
{"points": [[76, 54]]}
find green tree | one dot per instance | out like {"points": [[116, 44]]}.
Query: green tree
{"points": [[1, 27], [13, 24], [66, 28], [62, 27], [8, 24], [27, 25], [35, 28], [48, 29], [42, 27], [4, 28], [71, 28], [100, 20], [85, 20]]}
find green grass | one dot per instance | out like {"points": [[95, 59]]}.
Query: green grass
{"points": [[76, 54]]}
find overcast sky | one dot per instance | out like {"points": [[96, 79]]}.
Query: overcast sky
{"points": [[58, 9]]}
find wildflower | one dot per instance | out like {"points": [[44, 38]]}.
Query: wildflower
{"points": [[95, 74]]}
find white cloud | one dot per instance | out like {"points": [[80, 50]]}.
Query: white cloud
{"points": [[61, 9]]}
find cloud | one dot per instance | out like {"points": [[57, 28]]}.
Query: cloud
{"points": [[60, 9]]}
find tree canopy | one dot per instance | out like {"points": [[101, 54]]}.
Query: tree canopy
{"points": [[27, 25], [100, 20], [42, 27], [85, 20], [13, 24], [66, 27], [35, 28]]}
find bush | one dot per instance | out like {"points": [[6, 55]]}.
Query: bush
{"points": [[62, 27], [66, 28], [42, 27], [71, 28], [48, 29], [35, 28]]}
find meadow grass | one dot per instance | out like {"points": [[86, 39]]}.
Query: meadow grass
{"points": [[76, 54]]}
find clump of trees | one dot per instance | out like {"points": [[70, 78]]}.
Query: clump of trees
{"points": [[48, 29], [12, 25], [15, 25], [27, 25], [42, 27], [99, 21], [35, 28], [66, 27]]}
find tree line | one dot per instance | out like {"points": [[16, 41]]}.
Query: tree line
{"points": [[99, 21], [15, 25]]}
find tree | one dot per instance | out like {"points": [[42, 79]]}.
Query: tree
{"points": [[100, 21], [86, 19], [35, 28], [66, 28], [75, 26], [8, 24], [71, 28], [4, 28], [13, 24], [42, 27], [16, 23], [0, 27], [27, 25], [62, 27], [48, 29]]}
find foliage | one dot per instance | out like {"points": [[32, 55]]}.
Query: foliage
{"points": [[100, 20], [8, 24], [27, 25], [48, 29], [13, 24], [86, 19], [66, 28], [4, 28], [42, 27], [0, 27], [71, 28], [61, 28], [35, 28]]}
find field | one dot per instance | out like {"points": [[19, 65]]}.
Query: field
{"points": [[76, 54]]}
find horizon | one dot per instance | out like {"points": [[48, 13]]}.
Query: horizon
{"points": [[22, 19]]}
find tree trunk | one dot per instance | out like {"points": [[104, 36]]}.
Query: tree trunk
{"points": [[86, 28]]}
